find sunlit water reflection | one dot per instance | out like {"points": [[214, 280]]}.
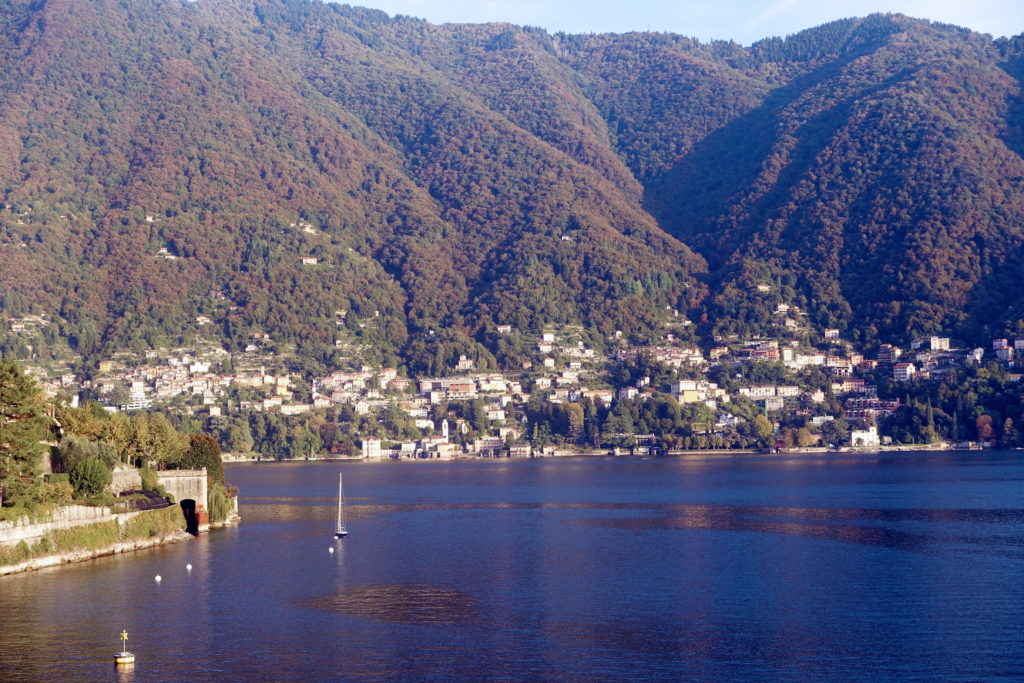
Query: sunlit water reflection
{"points": [[403, 604], [908, 566]]}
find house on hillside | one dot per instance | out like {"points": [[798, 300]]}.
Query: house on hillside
{"points": [[887, 353], [902, 372]]}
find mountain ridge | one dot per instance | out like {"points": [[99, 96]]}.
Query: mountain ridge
{"points": [[460, 176]]}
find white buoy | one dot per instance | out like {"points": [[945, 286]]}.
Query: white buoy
{"points": [[330, 550], [188, 567], [158, 578]]}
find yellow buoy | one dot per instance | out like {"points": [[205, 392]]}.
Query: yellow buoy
{"points": [[124, 658]]}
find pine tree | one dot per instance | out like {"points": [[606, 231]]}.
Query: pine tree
{"points": [[1009, 439], [22, 431], [929, 430]]}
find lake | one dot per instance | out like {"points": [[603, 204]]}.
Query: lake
{"points": [[793, 568]]}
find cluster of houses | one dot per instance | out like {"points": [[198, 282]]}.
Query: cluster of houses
{"points": [[211, 381], [441, 447]]}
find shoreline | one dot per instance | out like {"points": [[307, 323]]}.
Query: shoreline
{"points": [[814, 450], [76, 556]]}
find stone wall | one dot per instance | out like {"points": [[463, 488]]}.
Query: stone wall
{"points": [[182, 484], [127, 479], [185, 484], [63, 518]]}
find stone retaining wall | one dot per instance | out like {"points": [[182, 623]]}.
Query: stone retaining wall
{"points": [[65, 517], [127, 479], [83, 555]]}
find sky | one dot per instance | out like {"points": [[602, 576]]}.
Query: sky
{"points": [[744, 21]]}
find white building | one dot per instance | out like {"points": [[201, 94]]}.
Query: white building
{"points": [[902, 372], [865, 438], [758, 393], [371, 449], [677, 388], [137, 397]]}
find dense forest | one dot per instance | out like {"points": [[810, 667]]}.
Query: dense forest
{"points": [[288, 166]]}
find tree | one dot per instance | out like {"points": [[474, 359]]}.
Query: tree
{"points": [[763, 428], [928, 433], [835, 432], [167, 444], [477, 416], [152, 437], [203, 451], [117, 432], [22, 431], [804, 438], [218, 501], [138, 440], [1009, 439], [984, 426], [329, 434], [90, 477], [74, 449], [303, 443], [86, 420], [574, 414], [240, 438]]}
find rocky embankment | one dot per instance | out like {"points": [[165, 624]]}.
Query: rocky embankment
{"points": [[92, 553]]}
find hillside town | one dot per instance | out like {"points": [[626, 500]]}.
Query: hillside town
{"points": [[717, 391]]}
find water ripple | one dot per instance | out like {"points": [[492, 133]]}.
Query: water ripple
{"points": [[408, 603]]}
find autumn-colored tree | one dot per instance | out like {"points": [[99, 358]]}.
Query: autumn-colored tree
{"points": [[763, 429], [85, 420], [984, 427], [152, 438]]}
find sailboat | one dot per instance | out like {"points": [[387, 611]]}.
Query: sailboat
{"points": [[341, 532]]}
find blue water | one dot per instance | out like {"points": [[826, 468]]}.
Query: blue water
{"points": [[833, 567]]}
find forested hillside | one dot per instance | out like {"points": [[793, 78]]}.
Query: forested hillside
{"points": [[162, 160]]}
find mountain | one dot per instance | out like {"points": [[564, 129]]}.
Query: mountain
{"points": [[163, 160]]}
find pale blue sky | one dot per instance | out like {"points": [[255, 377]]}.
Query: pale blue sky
{"points": [[741, 20]]}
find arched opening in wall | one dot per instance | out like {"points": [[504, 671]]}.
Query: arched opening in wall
{"points": [[188, 507]]}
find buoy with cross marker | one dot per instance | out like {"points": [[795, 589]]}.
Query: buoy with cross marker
{"points": [[124, 658]]}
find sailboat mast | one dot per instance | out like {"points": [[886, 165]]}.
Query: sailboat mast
{"points": [[341, 531]]}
